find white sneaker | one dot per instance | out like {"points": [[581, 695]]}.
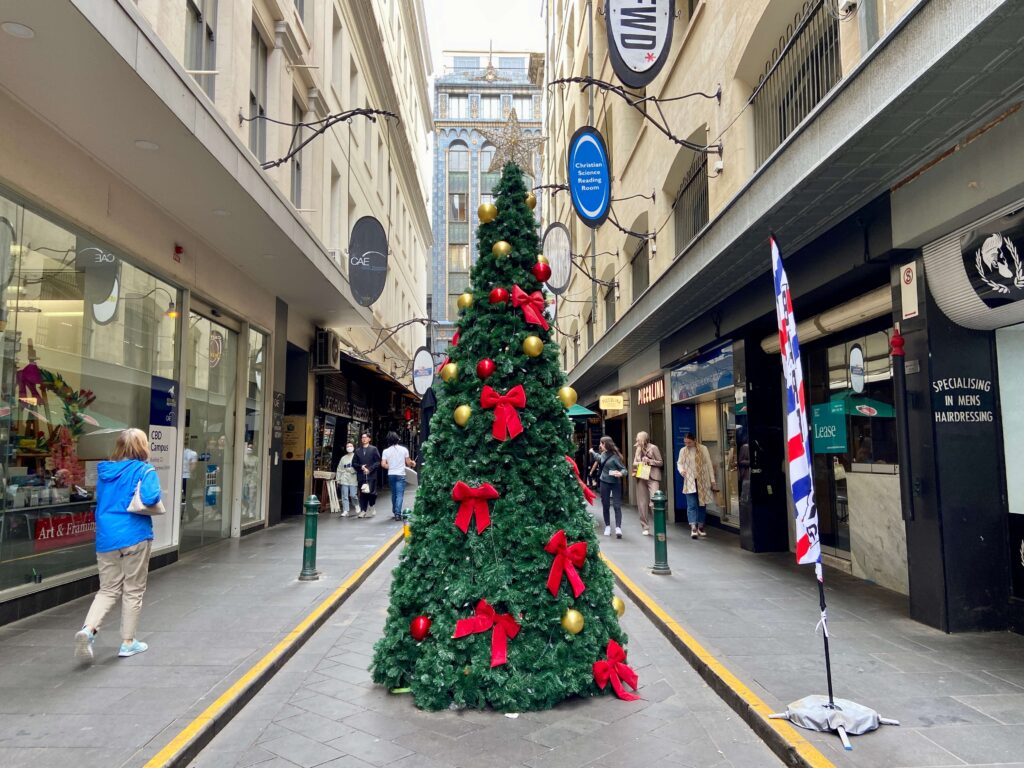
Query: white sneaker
{"points": [[361, 514], [607, 530], [701, 533], [647, 532], [618, 533], [83, 644], [373, 511], [345, 514], [693, 531]]}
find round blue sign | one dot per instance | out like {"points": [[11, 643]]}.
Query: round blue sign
{"points": [[589, 176]]}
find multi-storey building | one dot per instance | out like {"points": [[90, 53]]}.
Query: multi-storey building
{"points": [[880, 140], [162, 265], [475, 90]]}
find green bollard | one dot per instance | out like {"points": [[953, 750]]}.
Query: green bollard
{"points": [[309, 572], [660, 567]]}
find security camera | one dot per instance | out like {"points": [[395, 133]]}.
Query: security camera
{"points": [[847, 6], [718, 167]]}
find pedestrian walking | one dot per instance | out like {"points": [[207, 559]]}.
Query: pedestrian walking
{"points": [[123, 540], [366, 462], [594, 468], [348, 483], [694, 465], [613, 468], [647, 464], [395, 460]]}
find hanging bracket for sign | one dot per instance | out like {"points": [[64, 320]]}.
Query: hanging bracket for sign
{"points": [[640, 38]]}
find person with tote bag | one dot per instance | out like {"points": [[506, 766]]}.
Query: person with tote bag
{"points": [[647, 463], [366, 463], [127, 496]]}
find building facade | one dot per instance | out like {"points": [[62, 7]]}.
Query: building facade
{"points": [[161, 271], [875, 142], [474, 90]]}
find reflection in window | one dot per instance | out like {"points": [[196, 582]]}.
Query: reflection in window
{"points": [[252, 457], [457, 210]]}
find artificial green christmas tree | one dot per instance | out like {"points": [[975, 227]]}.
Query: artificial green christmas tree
{"points": [[500, 519]]}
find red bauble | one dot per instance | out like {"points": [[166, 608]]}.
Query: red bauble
{"points": [[542, 271], [419, 627], [485, 368], [498, 296]]}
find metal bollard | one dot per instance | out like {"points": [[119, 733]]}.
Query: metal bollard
{"points": [[660, 567], [309, 572]]}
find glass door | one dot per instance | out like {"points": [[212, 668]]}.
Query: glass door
{"points": [[255, 447], [207, 463]]}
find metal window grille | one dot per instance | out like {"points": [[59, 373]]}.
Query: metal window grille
{"points": [[641, 269], [804, 66], [691, 206]]}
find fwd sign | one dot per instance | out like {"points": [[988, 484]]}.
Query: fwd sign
{"points": [[641, 35]]}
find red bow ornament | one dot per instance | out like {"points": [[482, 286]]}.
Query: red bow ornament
{"points": [[614, 670], [588, 493], [532, 305], [568, 557], [503, 626], [506, 417], [473, 501]]}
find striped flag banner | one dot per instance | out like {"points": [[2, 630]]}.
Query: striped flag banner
{"points": [[808, 545]]}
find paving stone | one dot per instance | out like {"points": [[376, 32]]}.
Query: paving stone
{"points": [[300, 750], [370, 748], [1006, 708]]}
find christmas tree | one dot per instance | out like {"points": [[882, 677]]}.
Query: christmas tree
{"points": [[500, 598]]}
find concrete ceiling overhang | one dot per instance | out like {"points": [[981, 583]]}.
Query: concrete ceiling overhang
{"points": [[101, 76], [948, 67]]}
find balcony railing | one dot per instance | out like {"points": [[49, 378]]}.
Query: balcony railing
{"points": [[801, 70], [691, 208]]}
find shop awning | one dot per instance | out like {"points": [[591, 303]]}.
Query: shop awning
{"points": [[579, 412], [858, 405], [381, 374]]}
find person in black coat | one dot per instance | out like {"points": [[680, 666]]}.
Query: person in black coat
{"points": [[366, 462]]}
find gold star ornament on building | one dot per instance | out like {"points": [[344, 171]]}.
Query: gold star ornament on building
{"points": [[512, 145]]}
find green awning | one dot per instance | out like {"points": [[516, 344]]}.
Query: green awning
{"points": [[579, 412], [865, 407]]}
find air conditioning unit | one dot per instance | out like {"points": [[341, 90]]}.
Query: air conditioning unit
{"points": [[327, 357]]}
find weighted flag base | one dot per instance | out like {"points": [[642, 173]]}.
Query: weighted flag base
{"points": [[844, 717]]}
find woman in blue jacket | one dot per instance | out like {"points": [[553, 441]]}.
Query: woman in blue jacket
{"points": [[123, 541]]}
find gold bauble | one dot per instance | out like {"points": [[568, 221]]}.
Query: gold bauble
{"points": [[487, 212], [572, 621], [407, 531], [465, 300], [542, 258], [566, 394], [501, 248], [618, 605], [462, 414], [449, 372], [531, 200], [533, 346]]}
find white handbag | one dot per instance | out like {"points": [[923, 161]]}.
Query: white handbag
{"points": [[139, 508]]}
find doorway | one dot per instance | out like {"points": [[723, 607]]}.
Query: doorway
{"points": [[208, 460]]}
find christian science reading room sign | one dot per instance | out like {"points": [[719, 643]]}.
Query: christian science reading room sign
{"points": [[589, 176], [640, 32]]}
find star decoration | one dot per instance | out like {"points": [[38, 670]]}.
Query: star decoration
{"points": [[512, 145]]}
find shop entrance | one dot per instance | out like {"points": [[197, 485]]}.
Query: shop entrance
{"points": [[208, 459]]}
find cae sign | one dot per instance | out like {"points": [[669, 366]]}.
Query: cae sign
{"points": [[589, 175], [640, 32]]}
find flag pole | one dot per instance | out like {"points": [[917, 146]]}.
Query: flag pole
{"points": [[824, 632]]}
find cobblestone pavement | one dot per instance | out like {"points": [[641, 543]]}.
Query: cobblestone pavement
{"points": [[323, 710]]}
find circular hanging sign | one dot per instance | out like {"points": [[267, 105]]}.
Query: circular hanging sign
{"points": [[857, 368], [422, 371], [641, 38], [590, 176], [367, 260], [557, 248], [550, 307]]}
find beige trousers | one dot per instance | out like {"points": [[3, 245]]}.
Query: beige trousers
{"points": [[644, 490], [123, 575]]}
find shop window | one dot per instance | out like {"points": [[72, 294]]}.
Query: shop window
{"points": [[88, 338], [258, 96], [201, 42]]}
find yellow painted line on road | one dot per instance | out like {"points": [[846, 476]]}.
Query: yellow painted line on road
{"points": [[218, 707], [797, 742]]}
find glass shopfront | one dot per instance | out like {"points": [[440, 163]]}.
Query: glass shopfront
{"points": [[90, 347], [253, 510]]}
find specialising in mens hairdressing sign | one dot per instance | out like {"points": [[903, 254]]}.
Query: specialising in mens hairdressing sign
{"points": [[590, 176], [640, 32], [367, 260]]}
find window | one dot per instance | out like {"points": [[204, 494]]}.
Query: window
{"points": [[458, 107], [590, 330], [523, 106], [488, 180], [200, 41], [458, 157], [353, 84], [641, 269], [258, 96], [457, 207], [463, 63], [609, 307], [510, 62], [382, 166], [335, 212], [296, 161], [300, 6], [337, 55], [458, 258], [691, 206], [490, 107]]}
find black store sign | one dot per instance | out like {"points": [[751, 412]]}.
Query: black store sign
{"points": [[367, 260], [994, 261], [963, 400]]}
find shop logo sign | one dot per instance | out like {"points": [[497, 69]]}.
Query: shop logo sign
{"points": [[368, 260], [993, 264], [216, 348], [640, 32]]}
